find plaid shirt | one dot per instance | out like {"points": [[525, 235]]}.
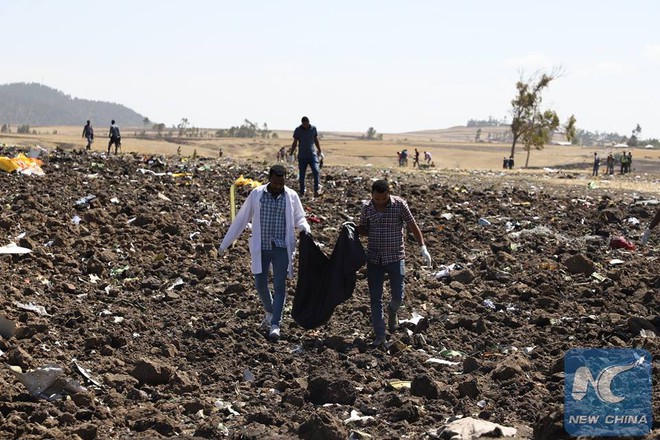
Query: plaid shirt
{"points": [[273, 221], [386, 230]]}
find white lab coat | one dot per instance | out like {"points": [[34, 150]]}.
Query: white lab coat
{"points": [[251, 212]]}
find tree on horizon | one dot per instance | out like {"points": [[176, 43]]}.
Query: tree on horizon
{"points": [[529, 122]]}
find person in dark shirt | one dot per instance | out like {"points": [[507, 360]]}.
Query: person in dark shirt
{"points": [[610, 164], [88, 133], [115, 137], [305, 138], [594, 172], [383, 220]]}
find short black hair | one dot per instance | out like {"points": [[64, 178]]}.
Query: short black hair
{"points": [[380, 186], [304, 119], [277, 170], [113, 121]]}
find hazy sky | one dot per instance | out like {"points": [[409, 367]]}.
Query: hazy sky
{"points": [[396, 66]]}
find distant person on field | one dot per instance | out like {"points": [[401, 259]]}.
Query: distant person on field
{"points": [[511, 163], [652, 225], [505, 163], [305, 138], [594, 172], [384, 220], [404, 158], [610, 164], [416, 160], [275, 211], [427, 158], [629, 162], [623, 159], [88, 133], [115, 137]]}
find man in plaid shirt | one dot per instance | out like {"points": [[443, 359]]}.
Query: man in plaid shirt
{"points": [[274, 210], [382, 220]]}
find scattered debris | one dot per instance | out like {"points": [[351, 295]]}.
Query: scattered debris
{"points": [[13, 248], [46, 382]]}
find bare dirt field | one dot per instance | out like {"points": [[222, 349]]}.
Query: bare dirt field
{"points": [[452, 149], [157, 336]]}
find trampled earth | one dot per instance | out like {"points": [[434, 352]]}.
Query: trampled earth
{"points": [[157, 336]]}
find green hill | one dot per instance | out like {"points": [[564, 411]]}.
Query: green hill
{"points": [[38, 105]]}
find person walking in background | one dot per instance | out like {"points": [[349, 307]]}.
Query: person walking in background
{"points": [[416, 160], [88, 133], [427, 158], [629, 162], [115, 137], [505, 163], [652, 225], [594, 172], [305, 138], [274, 211], [610, 164], [382, 220], [511, 163]]}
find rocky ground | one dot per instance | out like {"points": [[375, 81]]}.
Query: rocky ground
{"points": [[156, 336]]}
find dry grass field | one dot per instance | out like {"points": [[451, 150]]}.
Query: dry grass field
{"points": [[452, 149]]}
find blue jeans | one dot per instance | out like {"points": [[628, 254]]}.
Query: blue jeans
{"points": [[375, 279], [273, 302], [313, 162]]}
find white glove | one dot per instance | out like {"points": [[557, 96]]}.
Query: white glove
{"points": [[306, 229], [425, 255], [645, 237]]}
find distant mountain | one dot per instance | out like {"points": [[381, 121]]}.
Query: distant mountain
{"points": [[38, 105]]}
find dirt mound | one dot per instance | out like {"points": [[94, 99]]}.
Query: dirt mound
{"points": [[123, 291]]}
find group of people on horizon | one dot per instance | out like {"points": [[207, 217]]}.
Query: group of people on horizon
{"points": [[402, 158], [114, 134], [281, 155], [625, 160]]}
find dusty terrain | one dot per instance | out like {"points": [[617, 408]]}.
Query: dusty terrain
{"points": [[452, 148], [135, 295]]}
